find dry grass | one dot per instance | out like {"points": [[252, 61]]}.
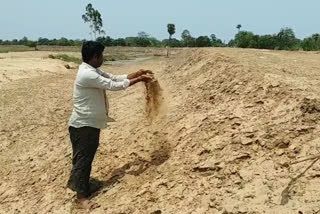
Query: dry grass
{"points": [[72, 53], [14, 48], [130, 52], [66, 58], [59, 48], [111, 53]]}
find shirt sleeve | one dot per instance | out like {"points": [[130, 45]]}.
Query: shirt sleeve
{"points": [[98, 81], [116, 78]]}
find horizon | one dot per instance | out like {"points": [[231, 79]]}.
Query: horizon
{"points": [[120, 22]]}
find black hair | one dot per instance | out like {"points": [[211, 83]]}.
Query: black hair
{"points": [[91, 49]]}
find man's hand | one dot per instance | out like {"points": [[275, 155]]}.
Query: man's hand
{"points": [[144, 72], [145, 78], [142, 78], [139, 73]]}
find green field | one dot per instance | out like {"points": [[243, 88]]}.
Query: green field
{"points": [[14, 48]]}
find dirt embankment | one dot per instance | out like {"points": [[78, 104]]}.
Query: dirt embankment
{"points": [[231, 126]]}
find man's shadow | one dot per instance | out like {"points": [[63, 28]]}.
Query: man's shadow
{"points": [[135, 168]]}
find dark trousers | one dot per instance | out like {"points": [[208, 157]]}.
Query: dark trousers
{"points": [[85, 141]]}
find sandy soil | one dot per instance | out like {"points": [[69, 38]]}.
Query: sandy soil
{"points": [[231, 126]]}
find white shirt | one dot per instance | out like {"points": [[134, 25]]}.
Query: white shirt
{"points": [[89, 104]]}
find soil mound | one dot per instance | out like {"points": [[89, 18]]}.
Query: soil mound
{"points": [[239, 134]]}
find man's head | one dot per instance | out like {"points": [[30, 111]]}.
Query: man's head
{"points": [[92, 53]]}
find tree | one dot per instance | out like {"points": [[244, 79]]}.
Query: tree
{"points": [[185, 35], [32, 44], [106, 41], [53, 42], [244, 39], [171, 31], [64, 42], [43, 41], [215, 42], [173, 42], [239, 26], [311, 43], [119, 42], [268, 42], [287, 39], [142, 42], [254, 42], [23, 41], [213, 37], [143, 34], [232, 43], [14, 42], [6, 42], [93, 17], [203, 41], [155, 42], [78, 42], [187, 39], [130, 41]]}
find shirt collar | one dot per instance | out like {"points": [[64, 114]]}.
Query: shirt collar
{"points": [[90, 66]]}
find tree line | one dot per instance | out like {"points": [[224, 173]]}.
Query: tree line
{"points": [[43, 41], [141, 40], [284, 40]]}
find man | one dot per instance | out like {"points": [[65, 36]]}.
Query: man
{"points": [[89, 114]]}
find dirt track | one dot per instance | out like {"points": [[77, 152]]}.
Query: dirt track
{"points": [[233, 123]]}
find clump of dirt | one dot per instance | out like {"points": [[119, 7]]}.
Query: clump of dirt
{"points": [[310, 106], [154, 99]]}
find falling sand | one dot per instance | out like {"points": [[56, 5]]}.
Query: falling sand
{"points": [[154, 99]]}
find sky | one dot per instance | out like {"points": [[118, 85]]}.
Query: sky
{"points": [[122, 18]]}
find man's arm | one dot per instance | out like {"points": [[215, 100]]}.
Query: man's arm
{"points": [[98, 81], [116, 78], [119, 78], [94, 80]]}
